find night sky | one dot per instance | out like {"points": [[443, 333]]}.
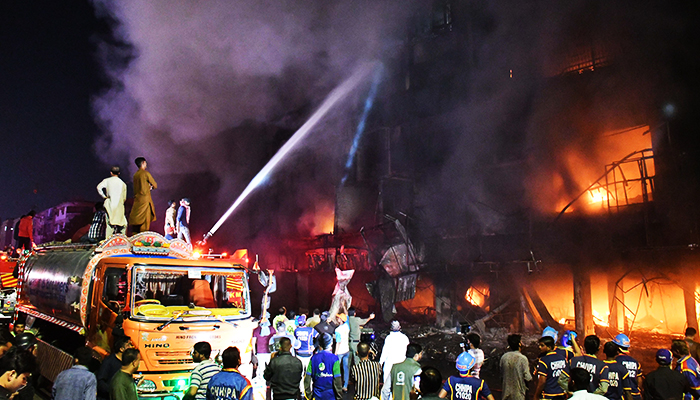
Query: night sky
{"points": [[48, 74]]}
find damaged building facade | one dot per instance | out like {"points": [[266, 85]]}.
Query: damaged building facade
{"points": [[515, 186]]}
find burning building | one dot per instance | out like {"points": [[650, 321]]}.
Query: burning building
{"points": [[531, 184]]}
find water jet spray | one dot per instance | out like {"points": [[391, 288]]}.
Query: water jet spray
{"points": [[334, 97]]}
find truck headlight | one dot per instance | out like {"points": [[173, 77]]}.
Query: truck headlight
{"points": [[147, 386]]}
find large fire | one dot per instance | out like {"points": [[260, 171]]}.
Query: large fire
{"points": [[595, 171]]}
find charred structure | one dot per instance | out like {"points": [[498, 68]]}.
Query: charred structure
{"points": [[547, 181]]}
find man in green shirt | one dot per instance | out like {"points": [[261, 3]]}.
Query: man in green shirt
{"points": [[403, 375], [122, 386]]}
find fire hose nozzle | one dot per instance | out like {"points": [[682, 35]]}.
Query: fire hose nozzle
{"points": [[206, 237]]}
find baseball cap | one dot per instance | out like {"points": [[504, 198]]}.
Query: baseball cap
{"points": [[664, 356], [465, 362]]}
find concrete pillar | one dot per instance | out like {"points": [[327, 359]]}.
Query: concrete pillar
{"points": [[613, 304], [583, 311], [302, 290], [690, 311]]}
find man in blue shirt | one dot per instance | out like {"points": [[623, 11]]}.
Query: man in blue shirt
{"points": [[183, 221], [229, 384], [324, 372], [464, 386], [688, 366], [633, 366], [549, 366], [305, 335], [76, 383]]}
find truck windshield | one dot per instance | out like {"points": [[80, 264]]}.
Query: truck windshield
{"points": [[168, 286]]}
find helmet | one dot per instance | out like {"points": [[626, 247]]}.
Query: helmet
{"points": [[622, 340], [325, 340], [465, 362], [551, 332], [664, 357], [25, 340], [301, 320]]}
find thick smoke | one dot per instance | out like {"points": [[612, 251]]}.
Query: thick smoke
{"points": [[207, 91]]}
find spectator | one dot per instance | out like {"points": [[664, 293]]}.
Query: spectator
{"points": [[619, 379], [324, 372], [77, 382], [261, 344], [111, 365], [315, 319], [325, 326], [290, 325], [229, 384], [591, 363], [113, 190], [98, 227], [402, 380], [183, 221], [580, 381], [305, 335], [464, 386], [393, 352], [281, 316], [25, 232], [122, 386], [665, 383], [693, 346], [688, 366], [367, 375], [633, 366], [16, 366], [143, 212], [342, 347], [549, 367], [202, 373], [430, 383], [284, 373], [282, 333], [515, 370], [170, 228], [474, 340], [355, 324], [27, 341]]}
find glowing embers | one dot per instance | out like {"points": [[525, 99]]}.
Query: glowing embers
{"points": [[477, 294]]}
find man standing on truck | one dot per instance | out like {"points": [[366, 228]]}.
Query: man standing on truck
{"points": [[143, 211], [25, 232], [202, 373], [111, 365], [122, 386], [113, 190], [183, 221], [77, 382]]}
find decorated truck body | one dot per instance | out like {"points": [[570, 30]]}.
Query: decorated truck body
{"points": [[159, 292]]}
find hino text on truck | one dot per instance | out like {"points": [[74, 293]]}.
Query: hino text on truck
{"points": [[158, 292]]}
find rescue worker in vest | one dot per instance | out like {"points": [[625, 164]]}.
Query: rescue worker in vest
{"points": [[591, 363], [464, 386], [633, 366], [688, 366], [324, 372], [305, 335], [403, 375], [549, 366], [619, 379]]}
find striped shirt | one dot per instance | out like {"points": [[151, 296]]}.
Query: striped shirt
{"points": [[367, 376], [201, 375]]}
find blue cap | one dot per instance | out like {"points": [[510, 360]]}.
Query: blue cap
{"points": [[622, 340], [664, 356], [551, 332], [301, 320], [465, 362]]}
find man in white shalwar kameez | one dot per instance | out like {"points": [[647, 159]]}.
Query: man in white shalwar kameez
{"points": [[113, 190]]}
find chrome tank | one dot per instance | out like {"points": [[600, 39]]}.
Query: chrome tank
{"points": [[52, 282]]}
